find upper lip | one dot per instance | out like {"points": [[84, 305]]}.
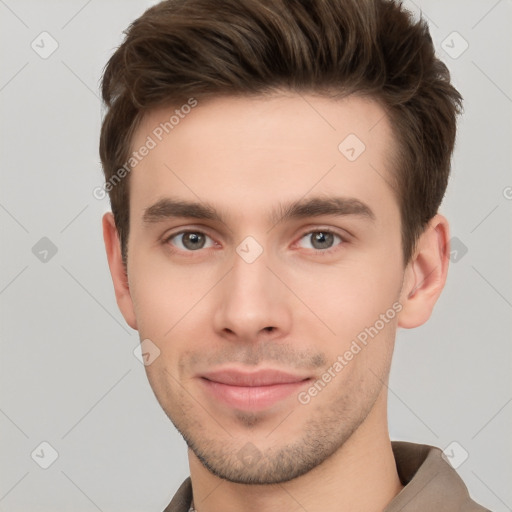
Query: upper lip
{"points": [[263, 377]]}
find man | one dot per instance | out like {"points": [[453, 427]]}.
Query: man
{"points": [[275, 170]]}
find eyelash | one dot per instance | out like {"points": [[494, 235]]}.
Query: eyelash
{"points": [[343, 240]]}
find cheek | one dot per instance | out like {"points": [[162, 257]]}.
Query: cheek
{"points": [[165, 295], [352, 296]]}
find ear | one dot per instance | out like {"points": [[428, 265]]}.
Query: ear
{"points": [[425, 275], [118, 270]]}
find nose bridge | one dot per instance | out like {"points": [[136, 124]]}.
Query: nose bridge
{"points": [[252, 299], [249, 280]]}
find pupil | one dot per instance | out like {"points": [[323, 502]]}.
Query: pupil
{"points": [[322, 240], [193, 240]]}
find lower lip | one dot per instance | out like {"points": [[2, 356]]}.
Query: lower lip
{"points": [[252, 398]]}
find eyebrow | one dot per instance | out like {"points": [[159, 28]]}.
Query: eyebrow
{"points": [[168, 208]]}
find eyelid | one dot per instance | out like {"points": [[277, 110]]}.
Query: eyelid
{"points": [[342, 233], [318, 229], [166, 238], [187, 228]]}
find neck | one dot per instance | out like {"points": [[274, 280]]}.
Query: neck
{"points": [[360, 476]]}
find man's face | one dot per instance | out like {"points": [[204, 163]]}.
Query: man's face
{"points": [[252, 289]]}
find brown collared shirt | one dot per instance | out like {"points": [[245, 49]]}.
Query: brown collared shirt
{"points": [[431, 484]]}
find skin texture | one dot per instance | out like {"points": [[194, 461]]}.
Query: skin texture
{"points": [[296, 308]]}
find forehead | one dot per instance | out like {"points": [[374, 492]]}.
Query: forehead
{"points": [[247, 152]]}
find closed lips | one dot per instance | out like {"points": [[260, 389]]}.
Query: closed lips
{"points": [[264, 377]]}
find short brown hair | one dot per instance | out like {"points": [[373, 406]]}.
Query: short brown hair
{"points": [[205, 48]]}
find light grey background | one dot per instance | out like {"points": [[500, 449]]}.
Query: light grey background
{"points": [[68, 373]]}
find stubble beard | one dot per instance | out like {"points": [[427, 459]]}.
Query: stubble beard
{"points": [[262, 462]]}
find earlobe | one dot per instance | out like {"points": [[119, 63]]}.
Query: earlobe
{"points": [[118, 270], [425, 275]]}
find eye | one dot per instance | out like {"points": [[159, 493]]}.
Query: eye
{"points": [[320, 240], [189, 240]]}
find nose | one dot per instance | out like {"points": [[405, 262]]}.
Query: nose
{"points": [[252, 303]]}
